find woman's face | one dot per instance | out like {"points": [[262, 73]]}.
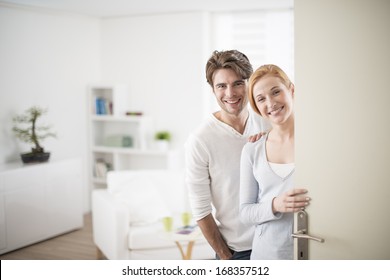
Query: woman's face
{"points": [[273, 99]]}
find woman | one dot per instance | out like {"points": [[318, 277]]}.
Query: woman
{"points": [[267, 197]]}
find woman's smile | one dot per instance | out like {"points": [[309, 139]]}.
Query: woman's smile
{"points": [[276, 111]]}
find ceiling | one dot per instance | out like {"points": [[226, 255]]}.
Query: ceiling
{"points": [[115, 8]]}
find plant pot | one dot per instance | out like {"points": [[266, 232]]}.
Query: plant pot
{"points": [[162, 145], [35, 157]]}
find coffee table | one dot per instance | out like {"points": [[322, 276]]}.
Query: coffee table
{"points": [[185, 238]]}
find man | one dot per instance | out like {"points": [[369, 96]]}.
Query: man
{"points": [[213, 154]]}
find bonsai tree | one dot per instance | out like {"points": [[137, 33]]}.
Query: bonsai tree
{"points": [[30, 132]]}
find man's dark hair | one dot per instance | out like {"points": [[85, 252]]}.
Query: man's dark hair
{"points": [[231, 59]]}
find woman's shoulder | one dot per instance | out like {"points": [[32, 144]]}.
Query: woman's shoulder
{"points": [[253, 147]]}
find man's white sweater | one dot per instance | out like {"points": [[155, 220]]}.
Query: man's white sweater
{"points": [[213, 155]]}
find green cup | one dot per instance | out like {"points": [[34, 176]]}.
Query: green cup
{"points": [[186, 218], [167, 223]]}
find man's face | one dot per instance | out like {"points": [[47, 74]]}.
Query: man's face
{"points": [[230, 91]]}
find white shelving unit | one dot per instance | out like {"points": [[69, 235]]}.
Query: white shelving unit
{"points": [[118, 141]]}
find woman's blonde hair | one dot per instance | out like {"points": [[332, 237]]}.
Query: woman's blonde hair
{"points": [[261, 72]]}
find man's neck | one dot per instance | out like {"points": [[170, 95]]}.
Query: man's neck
{"points": [[238, 122]]}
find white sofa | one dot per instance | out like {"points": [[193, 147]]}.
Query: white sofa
{"points": [[126, 216]]}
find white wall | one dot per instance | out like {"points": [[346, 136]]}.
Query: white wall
{"points": [[161, 58], [47, 59]]}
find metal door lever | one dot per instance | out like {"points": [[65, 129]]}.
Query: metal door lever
{"points": [[302, 246], [302, 234]]}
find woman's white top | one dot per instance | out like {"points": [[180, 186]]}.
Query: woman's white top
{"points": [[282, 169]]}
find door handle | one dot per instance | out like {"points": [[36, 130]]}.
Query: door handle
{"points": [[302, 234], [303, 237]]}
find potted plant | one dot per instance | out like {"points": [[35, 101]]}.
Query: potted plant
{"points": [[162, 138], [26, 129]]}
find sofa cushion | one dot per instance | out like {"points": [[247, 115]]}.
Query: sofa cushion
{"points": [[142, 199], [144, 208], [150, 236], [149, 194]]}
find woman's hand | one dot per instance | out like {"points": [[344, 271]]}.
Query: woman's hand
{"points": [[290, 201]]}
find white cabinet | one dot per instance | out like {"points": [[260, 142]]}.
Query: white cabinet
{"points": [[118, 139], [3, 236], [39, 201]]}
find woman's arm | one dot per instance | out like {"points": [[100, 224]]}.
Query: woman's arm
{"points": [[251, 211]]}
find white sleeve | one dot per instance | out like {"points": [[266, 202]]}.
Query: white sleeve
{"points": [[251, 211], [198, 178]]}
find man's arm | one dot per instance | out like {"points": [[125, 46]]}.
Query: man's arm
{"points": [[213, 236], [199, 191]]}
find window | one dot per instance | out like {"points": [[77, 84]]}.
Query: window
{"points": [[265, 36]]}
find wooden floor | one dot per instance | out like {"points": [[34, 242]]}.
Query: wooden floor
{"points": [[76, 245]]}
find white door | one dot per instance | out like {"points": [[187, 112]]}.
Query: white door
{"points": [[342, 77]]}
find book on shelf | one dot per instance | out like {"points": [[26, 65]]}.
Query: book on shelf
{"points": [[101, 168], [103, 106]]}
